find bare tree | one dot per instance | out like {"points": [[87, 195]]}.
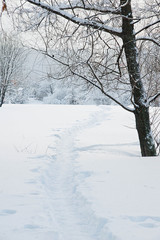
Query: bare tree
{"points": [[101, 36], [11, 60], [155, 123], [150, 65]]}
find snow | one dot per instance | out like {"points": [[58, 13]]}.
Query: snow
{"points": [[75, 173]]}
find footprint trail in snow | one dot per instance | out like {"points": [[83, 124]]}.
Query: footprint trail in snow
{"points": [[40, 178], [74, 217]]}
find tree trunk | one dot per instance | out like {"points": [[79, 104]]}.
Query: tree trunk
{"points": [[139, 97], [144, 132], [2, 95]]}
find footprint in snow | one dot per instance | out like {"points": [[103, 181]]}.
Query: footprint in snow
{"points": [[35, 193], [32, 226], [31, 182], [7, 212], [57, 136], [35, 169], [148, 225], [142, 219]]}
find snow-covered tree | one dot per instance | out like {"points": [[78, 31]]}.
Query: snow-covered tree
{"points": [[101, 36], [11, 60]]}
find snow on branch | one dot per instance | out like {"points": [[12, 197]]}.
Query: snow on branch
{"points": [[77, 20], [149, 39], [125, 4], [91, 8], [148, 26], [153, 98]]}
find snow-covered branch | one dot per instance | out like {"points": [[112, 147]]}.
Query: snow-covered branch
{"points": [[91, 8], [125, 4], [77, 20], [148, 26], [153, 98], [149, 39]]}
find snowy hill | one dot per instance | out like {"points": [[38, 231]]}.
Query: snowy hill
{"points": [[75, 173]]}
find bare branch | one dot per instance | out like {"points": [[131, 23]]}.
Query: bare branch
{"points": [[91, 82], [83, 3], [95, 76], [71, 7], [149, 39], [146, 27], [77, 20], [118, 59], [93, 8]]}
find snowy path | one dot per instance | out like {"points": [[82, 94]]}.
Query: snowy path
{"points": [[39, 195], [67, 207]]}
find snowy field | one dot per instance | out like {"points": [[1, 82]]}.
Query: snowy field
{"points": [[75, 173]]}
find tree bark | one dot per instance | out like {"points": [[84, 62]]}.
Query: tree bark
{"points": [[2, 95], [143, 126], [144, 132]]}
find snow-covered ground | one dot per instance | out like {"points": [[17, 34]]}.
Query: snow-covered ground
{"points": [[75, 173]]}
